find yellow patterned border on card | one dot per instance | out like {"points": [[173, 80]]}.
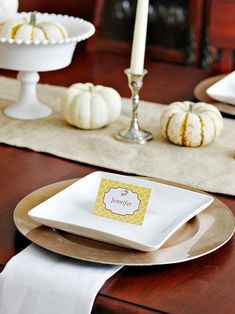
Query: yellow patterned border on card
{"points": [[122, 201]]}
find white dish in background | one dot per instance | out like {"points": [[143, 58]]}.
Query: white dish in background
{"points": [[32, 56], [168, 209], [44, 55], [224, 89]]}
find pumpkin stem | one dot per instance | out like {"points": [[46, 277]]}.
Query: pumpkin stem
{"points": [[191, 108], [91, 88], [32, 19]]}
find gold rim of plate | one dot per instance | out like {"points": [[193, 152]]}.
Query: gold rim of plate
{"points": [[202, 235], [201, 95]]}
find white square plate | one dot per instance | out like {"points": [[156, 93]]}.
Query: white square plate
{"points": [[224, 89], [168, 209]]}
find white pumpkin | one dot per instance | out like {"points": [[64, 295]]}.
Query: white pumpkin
{"points": [[31, 30], [191, 124], [87, 106], [8, 9]]}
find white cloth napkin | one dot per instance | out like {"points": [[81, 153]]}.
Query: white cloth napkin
{"points": [[38, 281]]}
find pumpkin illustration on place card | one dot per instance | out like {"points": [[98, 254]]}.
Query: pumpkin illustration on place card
{"points": [[89, 106], [191, 124], [121, 198], [122, 201]]}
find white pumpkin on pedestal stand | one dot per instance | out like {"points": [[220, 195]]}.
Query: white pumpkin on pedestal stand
{"points": [[29, 54], [32, 30]]}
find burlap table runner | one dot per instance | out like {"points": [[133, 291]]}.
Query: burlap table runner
{"points": [[210, 168]]}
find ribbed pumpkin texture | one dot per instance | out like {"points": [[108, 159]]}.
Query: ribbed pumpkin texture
{"points": [[191, 124], [32, 30], [87, 106], [8, 9]]}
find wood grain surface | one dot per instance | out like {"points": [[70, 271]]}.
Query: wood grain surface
{"points": [[204, 285]]}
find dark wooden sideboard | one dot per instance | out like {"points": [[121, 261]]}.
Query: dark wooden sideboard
{"points": [[178, 30], [175, 28]]}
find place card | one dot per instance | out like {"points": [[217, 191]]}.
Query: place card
{"points": [[167, 209], [122, 201]]}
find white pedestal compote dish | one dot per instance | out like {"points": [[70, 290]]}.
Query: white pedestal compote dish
{"points": [[32, 56]]}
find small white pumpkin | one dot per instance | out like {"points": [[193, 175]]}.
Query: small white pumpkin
{"points": [[8, 9], [191, 124], [87, 106], [31, 30]]}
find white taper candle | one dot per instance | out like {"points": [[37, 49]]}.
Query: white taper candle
{"points": [[139, 39]]}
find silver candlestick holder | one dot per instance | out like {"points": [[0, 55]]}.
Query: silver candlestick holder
{"points": [[134, 134]]}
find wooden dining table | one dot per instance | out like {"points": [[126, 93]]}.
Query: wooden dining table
{"points": [[202, 286]]}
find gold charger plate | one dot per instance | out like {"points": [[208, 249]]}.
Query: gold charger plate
{"points": [[201, 235], [201, 95]]}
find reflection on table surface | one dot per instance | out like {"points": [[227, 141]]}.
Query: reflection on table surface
{"points": [[189, 287]]}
